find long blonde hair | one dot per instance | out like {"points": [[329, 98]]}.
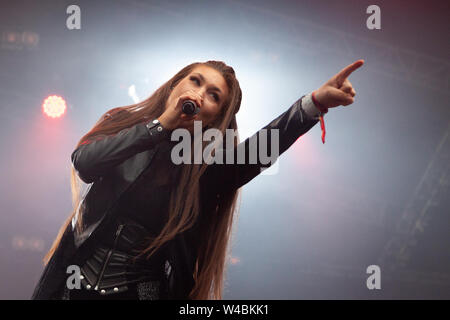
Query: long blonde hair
{"points": [[215, 245]]}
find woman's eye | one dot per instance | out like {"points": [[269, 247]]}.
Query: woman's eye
{"points": [[215, 95], [195, 79]]}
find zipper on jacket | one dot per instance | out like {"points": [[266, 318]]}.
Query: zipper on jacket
{"points": [[108, 256]]}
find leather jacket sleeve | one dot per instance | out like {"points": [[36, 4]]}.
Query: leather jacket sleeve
{"points": [[97, 156], [291, 124]]}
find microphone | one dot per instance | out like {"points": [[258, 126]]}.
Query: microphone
{"points": [[190, 107]]}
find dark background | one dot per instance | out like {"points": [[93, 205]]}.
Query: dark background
{"points": [[376, 193]]}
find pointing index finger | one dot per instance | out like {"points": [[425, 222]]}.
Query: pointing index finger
{"points": [[344, 73]]}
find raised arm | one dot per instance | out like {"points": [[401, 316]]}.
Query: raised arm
{"points": [[291, 124], [95, 158]]}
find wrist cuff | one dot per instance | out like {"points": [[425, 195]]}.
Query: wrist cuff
{"points": [[309, 107], [157, 132]]}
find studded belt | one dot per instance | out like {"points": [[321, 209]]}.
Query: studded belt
{"points": [[110, 269]]}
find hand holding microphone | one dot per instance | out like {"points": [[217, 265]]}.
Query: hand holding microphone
{"points": [[180, 111], [190, 107]]}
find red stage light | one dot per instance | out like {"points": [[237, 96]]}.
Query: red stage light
{"points": [[30, 39], [54, 106], [12, 37], [235, 260]]}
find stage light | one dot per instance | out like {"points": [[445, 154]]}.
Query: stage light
{"points": [[132, 93], [54, 106], [30, 39], [235, 260], [12, 37], [19, 40], [20, 242]]}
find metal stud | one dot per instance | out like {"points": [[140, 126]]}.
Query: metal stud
{"points": [[159, 129], [116, 289], [81, 277], [155, 121], [102, 291], [88, 286]]}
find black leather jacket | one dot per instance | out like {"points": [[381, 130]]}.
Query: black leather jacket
{"points": [[110, 164]]}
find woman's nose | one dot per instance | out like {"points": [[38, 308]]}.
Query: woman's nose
{"points": [[201, 94]]}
